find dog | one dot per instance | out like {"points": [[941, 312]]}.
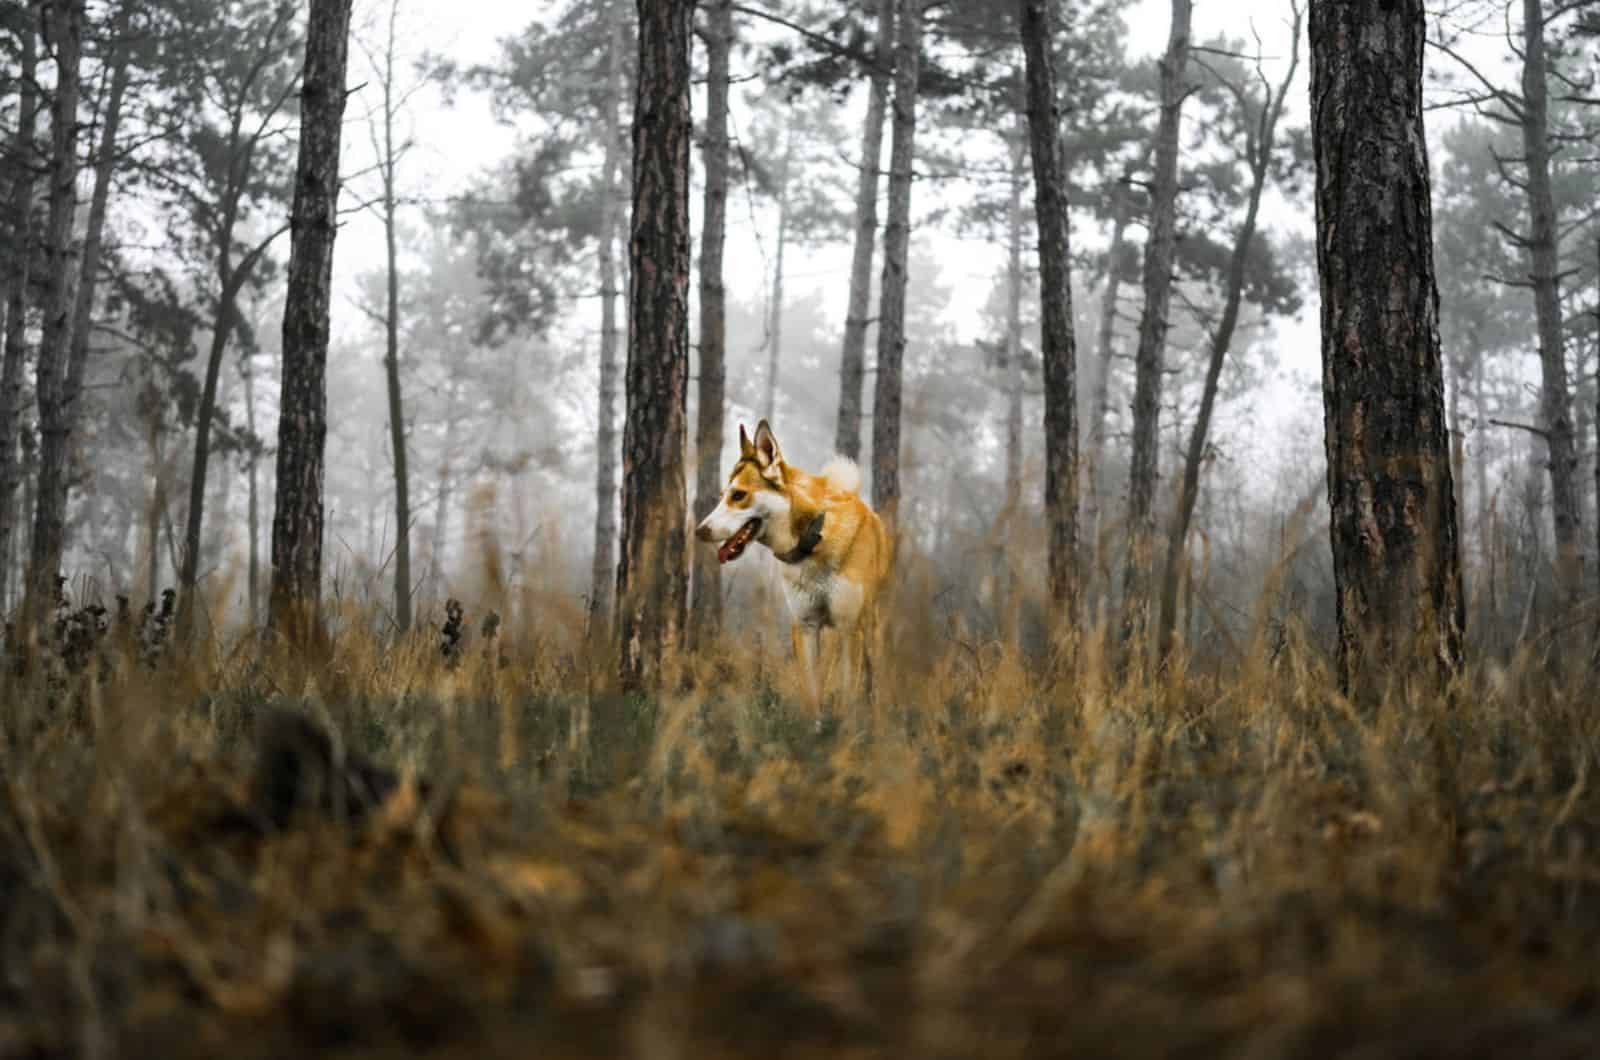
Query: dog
{"points": [[834, 552]]}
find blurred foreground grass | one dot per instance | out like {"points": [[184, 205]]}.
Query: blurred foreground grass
{"points": [[998, 858]]}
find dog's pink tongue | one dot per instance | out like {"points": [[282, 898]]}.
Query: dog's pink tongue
{"points": [[732, 548]]}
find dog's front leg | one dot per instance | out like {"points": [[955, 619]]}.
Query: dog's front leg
{"points": [[808, 649]]}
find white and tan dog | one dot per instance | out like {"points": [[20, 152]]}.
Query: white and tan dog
{"points": [[834, 552]]}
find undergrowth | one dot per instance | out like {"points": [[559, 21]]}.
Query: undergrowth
{"points": [[999, 855]]}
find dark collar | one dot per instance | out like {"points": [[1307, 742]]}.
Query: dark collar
{"points": [[809, 540]]}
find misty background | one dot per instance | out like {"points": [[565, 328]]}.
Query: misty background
{"points": [[498, 148]]}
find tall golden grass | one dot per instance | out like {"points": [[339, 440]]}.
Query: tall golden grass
{"points": [[1006, 853]]}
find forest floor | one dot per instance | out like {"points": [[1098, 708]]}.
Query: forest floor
{"points": [[987, 862]]}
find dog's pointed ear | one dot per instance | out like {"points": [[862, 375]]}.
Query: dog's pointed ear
{"points": [[746, 449], [768, 456]]}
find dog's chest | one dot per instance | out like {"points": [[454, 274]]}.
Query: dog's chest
{"points": [[809, 588], [819, 597]]}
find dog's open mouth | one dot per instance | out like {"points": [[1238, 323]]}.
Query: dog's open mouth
{"points": [[734, 547]]}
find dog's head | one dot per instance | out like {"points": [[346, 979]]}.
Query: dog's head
{"points": [[755, 501]]}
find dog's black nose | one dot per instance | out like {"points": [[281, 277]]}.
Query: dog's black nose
{"points": [[703, 532]]}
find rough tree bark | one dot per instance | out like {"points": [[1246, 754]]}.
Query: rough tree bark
{"points": [[1149, 360], [303, 416], [20, 163], [853, 355], [896, 250], [49, 530], [652, 577], [1260, 141], [603, 571], [1542, 244], [706, 590], [387, 165], [1055, 287], [1393, 523]]}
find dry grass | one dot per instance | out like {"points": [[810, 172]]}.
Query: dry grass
{"points": [[998, 858]]}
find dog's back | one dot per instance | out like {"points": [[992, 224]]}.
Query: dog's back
{"points": [[861, 552]]}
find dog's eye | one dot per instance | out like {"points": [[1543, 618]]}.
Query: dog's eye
{"points": [[735, 496]]}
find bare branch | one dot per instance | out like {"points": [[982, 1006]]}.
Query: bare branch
{"points": [[1530, 428]]}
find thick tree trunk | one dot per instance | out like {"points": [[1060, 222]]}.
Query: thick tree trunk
{"points": [[302, 422], [896, 251], [49, 530], [853, 355], [1259, 145], [603, 571], [775, 322], [1393, 521], [391, 354], [1150, 358], [20, 165], [652, 580], [1055, 287], [1555, 401], [706, 592]]}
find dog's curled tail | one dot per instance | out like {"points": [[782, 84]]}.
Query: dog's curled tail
{"points": [[842, 474]]}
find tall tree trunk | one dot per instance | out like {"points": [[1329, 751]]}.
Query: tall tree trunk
{"points": [[49, 530], [441, 525], [706, 592], [1001, 533], [1100, 397], [1555, 402], [94, 235], [214, 543], [391, 355], [442, 497], [1259, 145], [302, 421], [775, 323], [604, 568], [155, 437], [1055, 288], [853, 355], [1014, 444], [652, 580], [1489, 609], [253, 458], [20, 165], [59, 441], [1393, 521], [1149, 361], [233, 281], [896, 251]]}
